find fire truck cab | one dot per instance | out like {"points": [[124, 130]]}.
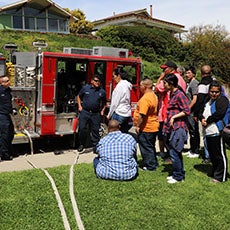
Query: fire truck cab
{"points": [[45, 84]]}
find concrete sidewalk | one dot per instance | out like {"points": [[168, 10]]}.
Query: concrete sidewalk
{"points": [[45, 160]]}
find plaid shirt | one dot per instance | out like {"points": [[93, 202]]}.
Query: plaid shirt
{"points": [[116, 156], [178, 102]]}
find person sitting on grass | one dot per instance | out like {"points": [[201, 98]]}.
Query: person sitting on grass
{"points": [[116, 158]]}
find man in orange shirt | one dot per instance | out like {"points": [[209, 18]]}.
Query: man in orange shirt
{"points": [[146, 124]]}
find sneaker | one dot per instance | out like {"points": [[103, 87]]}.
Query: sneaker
{"points": [[186, 153], [173, 181], [193, 155], [169, 177], [214, 181], [146, 169], [81, 149]]}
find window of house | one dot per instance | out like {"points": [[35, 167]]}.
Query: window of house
{"points": [[29, 23], [17, 22], [63, 26], [37, 18], [53, 24], [41, 24]]}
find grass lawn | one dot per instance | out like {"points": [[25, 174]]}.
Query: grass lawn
{"points": [[27, 200]]}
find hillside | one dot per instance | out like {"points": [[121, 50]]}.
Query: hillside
{"points": [[55, 42]]}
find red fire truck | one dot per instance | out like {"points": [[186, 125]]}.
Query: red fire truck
{"points": [[45, 84]]}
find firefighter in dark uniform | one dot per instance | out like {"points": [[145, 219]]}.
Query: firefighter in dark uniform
{"points": [[6, 125], [91, 105]]}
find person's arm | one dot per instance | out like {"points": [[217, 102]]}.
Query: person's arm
{"points": [[221, 108], [103, 105], [178, 115], [159, 87], [79, 103], [193, 101], [140, 122]]}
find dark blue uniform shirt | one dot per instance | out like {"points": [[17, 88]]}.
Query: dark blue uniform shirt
{"points": [[5, 100], [92, 98]]}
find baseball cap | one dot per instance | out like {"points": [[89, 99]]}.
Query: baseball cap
{"points": [[169, 64]]}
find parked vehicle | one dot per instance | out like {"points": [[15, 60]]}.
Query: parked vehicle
{"points": [[45, 84]]}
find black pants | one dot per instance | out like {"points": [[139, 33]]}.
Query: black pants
{"points": [[6, 136], [94, 121], [194, 135], [217, 153]]}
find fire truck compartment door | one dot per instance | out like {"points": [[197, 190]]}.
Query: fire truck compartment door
{"points": [[48, 92]]}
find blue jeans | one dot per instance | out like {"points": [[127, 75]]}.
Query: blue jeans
{"points": [[95, 163], [123, 121], [177, 164], [147, 143]]}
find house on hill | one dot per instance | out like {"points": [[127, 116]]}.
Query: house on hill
{"points": [[35, 15], [138, 17]]}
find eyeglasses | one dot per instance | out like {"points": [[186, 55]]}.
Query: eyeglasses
{"points": [[214, 92], [96, 80]]}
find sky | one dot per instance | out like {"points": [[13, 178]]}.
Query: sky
{"points": [[184, 12]]}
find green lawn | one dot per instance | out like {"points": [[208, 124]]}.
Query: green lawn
{"points": [[27, 200]]}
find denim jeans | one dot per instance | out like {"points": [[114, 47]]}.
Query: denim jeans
{"points": [[123, 121], [177, 164], [147, 143], [95, 163]]}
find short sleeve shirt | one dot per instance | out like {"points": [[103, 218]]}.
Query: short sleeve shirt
{"points": [[92, 98], [192, 89], [147, 106]]}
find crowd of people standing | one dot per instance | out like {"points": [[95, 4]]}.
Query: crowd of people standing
{"points": [[171, 115]]}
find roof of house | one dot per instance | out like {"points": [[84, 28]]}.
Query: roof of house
{"points": [[142, 16], [43, 3]]}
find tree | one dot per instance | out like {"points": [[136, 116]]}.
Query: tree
{"points": [[152, 44], [81, 26], [207, 44]]}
